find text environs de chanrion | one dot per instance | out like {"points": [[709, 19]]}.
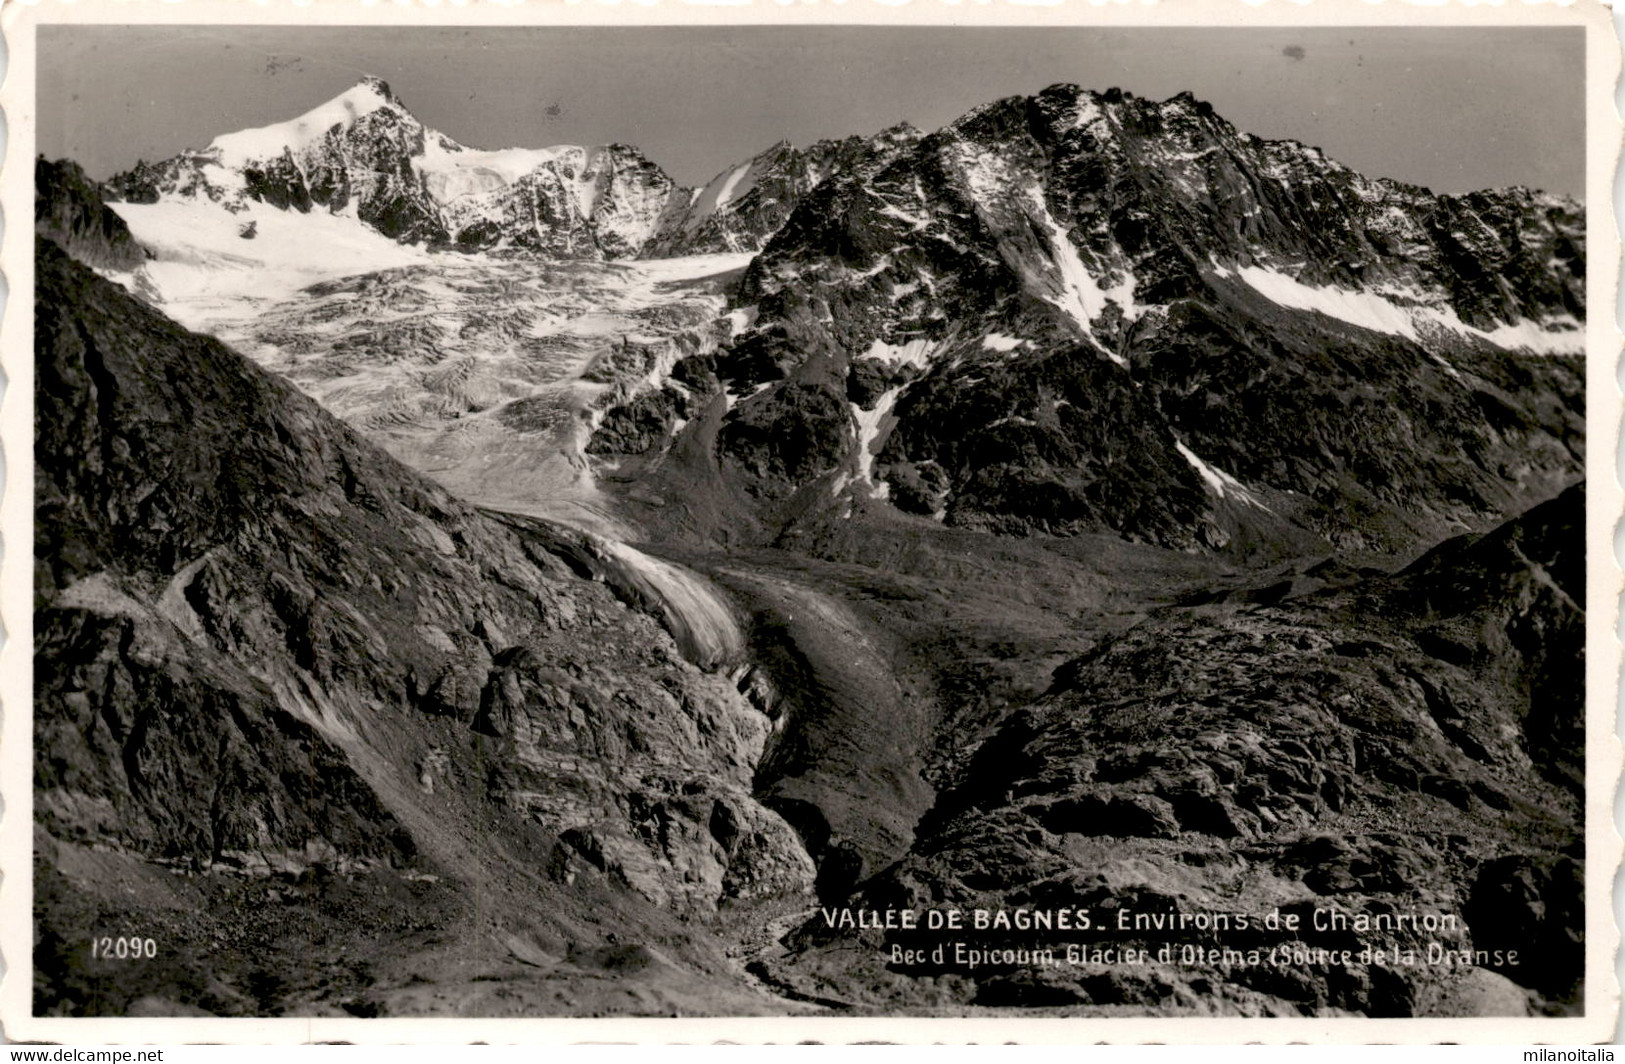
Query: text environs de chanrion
{"points": [[1133, 921]]}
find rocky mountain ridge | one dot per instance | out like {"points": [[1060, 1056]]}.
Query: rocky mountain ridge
{"points": [[1088, 311], [742, 207], [267, 650], [363, 155]]}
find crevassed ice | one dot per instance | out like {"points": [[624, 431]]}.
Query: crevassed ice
{"points": [[742, 319]]}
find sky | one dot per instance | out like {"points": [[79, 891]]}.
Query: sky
{"points": [[1450, 109]]}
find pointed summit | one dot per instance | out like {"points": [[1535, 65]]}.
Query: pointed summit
{"points": [[378, 85], [341, 112], [364, 155]]}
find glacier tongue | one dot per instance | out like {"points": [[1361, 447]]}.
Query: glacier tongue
{"points": [[1219, 482]]}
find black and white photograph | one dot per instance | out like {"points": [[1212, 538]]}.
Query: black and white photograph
{"points": [[812, 522]]}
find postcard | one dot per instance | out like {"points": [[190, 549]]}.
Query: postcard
{"points": [[924, 522]]}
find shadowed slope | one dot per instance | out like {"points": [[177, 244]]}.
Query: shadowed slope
{"points": [[273, 659]]}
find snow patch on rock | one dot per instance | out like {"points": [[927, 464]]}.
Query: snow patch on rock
{"points": [[1218, 481], [701, 621], [916, 353], [1418, 315], [871, 426]]}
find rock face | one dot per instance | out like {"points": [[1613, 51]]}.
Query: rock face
{"points": [[363, 155], [263, 646], [1082, 311], [68, 208], [741, 208], [1090, 200], [1369, 747]]}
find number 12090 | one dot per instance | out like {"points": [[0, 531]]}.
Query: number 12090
{"points": [[123, 949]]}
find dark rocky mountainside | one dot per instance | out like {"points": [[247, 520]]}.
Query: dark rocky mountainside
{"points": [[68, 207], [741, 208], [276, 669], [1370, 745], [1082, 311]]}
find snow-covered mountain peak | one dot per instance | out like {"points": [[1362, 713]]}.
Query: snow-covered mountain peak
{"points": [[1088, 215], [338, 114], [376, 85], [364, 156]]}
